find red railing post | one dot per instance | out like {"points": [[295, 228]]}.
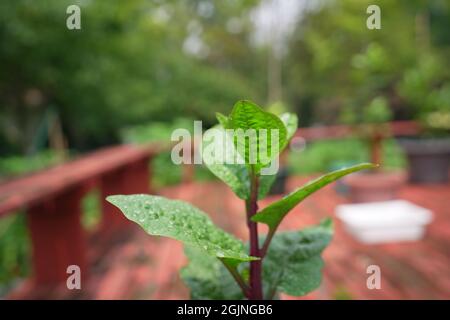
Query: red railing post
{"points": [[134, 178], [58, 238], [137, 177]]}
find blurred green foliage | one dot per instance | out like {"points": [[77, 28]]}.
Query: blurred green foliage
{"points": [[377, 111], [326, 155], [142, 61], [91, 209], [16, 165], [15, 247], [164, 171], [125, 66], [155, 131], [14, 250], [426, 87], [336, 65]]}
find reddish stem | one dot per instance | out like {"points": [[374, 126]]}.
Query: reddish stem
{"points": [[376, 148], [255, 266]]}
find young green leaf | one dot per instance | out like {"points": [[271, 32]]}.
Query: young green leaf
{"points": [[293, 263], [276, 211], [259, 148], [207, 278], [290, 121], [181, 221], [217, 147], [223, 120]]}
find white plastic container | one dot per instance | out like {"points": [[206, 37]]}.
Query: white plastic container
{"points": [[381, 222]]}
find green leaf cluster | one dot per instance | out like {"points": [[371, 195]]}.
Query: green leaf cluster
{"points": [[218, 263]]}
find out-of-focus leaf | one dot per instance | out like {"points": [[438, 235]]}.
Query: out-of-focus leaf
{"points": [[207, 278], [293, 263], [223, 120]]}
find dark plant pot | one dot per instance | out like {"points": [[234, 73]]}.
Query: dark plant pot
{"points": [[279, 185], [373, 187], [429, 159]]}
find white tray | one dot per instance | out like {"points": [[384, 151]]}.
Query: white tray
{"points": [[381, 222]]}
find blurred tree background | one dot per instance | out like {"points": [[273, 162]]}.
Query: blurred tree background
{"points": [[125, 66], [139, 61], [139, 68]]}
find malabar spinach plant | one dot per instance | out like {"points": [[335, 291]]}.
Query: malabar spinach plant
{"points": [[220, 265]]}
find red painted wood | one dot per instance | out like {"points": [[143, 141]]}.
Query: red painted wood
{"points": [[137, 177], [396, 128], [33, 189], [58, 239], [112, 219]]}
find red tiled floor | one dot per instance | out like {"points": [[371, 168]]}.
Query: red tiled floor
{"points": [[147, 267]]}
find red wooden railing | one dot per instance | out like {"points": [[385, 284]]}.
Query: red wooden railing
{"points": [[52, 199], [396, 128]]}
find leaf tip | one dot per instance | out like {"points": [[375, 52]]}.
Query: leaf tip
{"points": [[115, 199], [371, 165], [111, 199], [222, 119]]}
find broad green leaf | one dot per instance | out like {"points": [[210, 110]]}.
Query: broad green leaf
{"points": [[275, 212], [290, 121], [207, 277], [258, 149], [217, 147], [181, 221], [293, 264]]}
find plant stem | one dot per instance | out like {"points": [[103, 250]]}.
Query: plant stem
{"points": [[255, 266], [266, 244]]}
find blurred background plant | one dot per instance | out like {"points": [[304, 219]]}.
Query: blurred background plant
{"points": [[426, 87]]}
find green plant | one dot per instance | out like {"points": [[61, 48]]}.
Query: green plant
{"points": [[221, 266]]}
